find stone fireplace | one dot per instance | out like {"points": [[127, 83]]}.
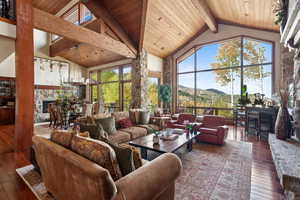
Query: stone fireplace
{"points": [[42, 99]]}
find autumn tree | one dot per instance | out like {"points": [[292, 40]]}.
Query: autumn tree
{"points": [[229, 54]]}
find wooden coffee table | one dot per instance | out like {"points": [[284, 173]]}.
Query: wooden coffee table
{"points": [[165, 146]]}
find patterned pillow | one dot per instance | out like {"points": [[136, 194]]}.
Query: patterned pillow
{"points": [[137, 158], [108, 124], [62, 137], [125, 123], [95, 130], [98, 152]]}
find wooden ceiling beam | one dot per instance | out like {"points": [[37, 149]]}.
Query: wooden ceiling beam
{"points": [[206, 14], [96, 7], [56, 25], [143, 23]]}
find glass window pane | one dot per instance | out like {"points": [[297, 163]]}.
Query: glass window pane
{"points": [[94, 91], [219, 88], [219, 55], [127, 73], [187, 65], [256, 52], [186, 91], [110, 75], [94, 76], [258, 80], [111, 96], [153, 91], [127, 95]]}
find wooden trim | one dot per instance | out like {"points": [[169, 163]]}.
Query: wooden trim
{"points": [[206, 14], [51, 87], [2, 19], [225, 22], [101, 12], [4, 78], [53, 24], [154, 74], [143, 23]]}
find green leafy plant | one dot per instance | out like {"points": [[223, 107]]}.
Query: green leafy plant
{"points": [[164, 93], [280, 8]]}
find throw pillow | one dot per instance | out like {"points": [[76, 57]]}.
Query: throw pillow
{"points": [[108, 124], [137, 158], [98, 152], [124, 123], [62, 137], [95, 130], [144, 117]]}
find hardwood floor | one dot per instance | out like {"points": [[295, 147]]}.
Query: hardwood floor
{"points": [[264, 182]]}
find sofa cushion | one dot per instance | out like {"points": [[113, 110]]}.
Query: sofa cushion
{"points": [[135, 131], [137, 158], [124, 157], [94, 130], [108, 124], [62, 137], [124, 123], [99, 152], [150, 127], [101, 115], [119, 137], [120, 115], [144, 117], [211, 131]]}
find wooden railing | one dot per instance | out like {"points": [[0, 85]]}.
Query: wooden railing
{"points": [[7, 9]]}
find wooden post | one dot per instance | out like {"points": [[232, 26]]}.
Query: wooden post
{"points": [[24, 76]]}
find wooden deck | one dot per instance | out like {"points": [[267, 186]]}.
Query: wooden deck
{"points": [[264, 182]]}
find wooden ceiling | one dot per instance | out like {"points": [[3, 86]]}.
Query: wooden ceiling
{"points": [[252, 13], [169, 23], [51, 6], [128, 13]]}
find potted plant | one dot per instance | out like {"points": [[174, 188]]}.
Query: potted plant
{"points": [[164, 95], [155, 136], [280, 8]]}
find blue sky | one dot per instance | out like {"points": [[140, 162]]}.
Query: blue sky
{"points": [[206, 80]]}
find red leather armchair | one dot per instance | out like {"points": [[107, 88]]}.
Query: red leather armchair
{"points": [[179, 123], [213, 129]]}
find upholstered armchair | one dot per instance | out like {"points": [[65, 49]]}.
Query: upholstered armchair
{"points": [[180, 122], [213, 129]]}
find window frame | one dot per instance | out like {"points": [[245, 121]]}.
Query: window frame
{"points": [[120, 82], [193, 50]]}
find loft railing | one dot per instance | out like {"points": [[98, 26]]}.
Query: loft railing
{"points": [[7, 9]]}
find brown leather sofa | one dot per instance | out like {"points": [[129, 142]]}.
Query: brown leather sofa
{"points": [[70, 176]]}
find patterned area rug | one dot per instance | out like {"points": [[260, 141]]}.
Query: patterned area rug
{"points": [[210, 172], [216, 172]]}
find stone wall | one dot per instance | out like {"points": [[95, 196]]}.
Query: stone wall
{"points": [[139, 81]]}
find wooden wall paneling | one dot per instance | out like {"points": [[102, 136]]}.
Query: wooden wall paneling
{"points": [[24, 76], [53, 24], [101, 12]]}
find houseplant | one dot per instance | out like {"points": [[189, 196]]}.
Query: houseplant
{"points": [[164, 95]]}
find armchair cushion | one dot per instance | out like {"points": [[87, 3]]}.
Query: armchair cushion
{"points": [[135, 131], [99, 152], [119, 137], [108, 124], [212, 131], [62, 137]]}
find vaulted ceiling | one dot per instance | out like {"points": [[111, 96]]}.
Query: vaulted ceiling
{"points": [[159, 26]]}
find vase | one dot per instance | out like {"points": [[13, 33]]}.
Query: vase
{"points": [[281, 125], [155, 139]]}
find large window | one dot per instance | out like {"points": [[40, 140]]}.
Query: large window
{"points": [[211, 76], [115, 85], [153, 84]]}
